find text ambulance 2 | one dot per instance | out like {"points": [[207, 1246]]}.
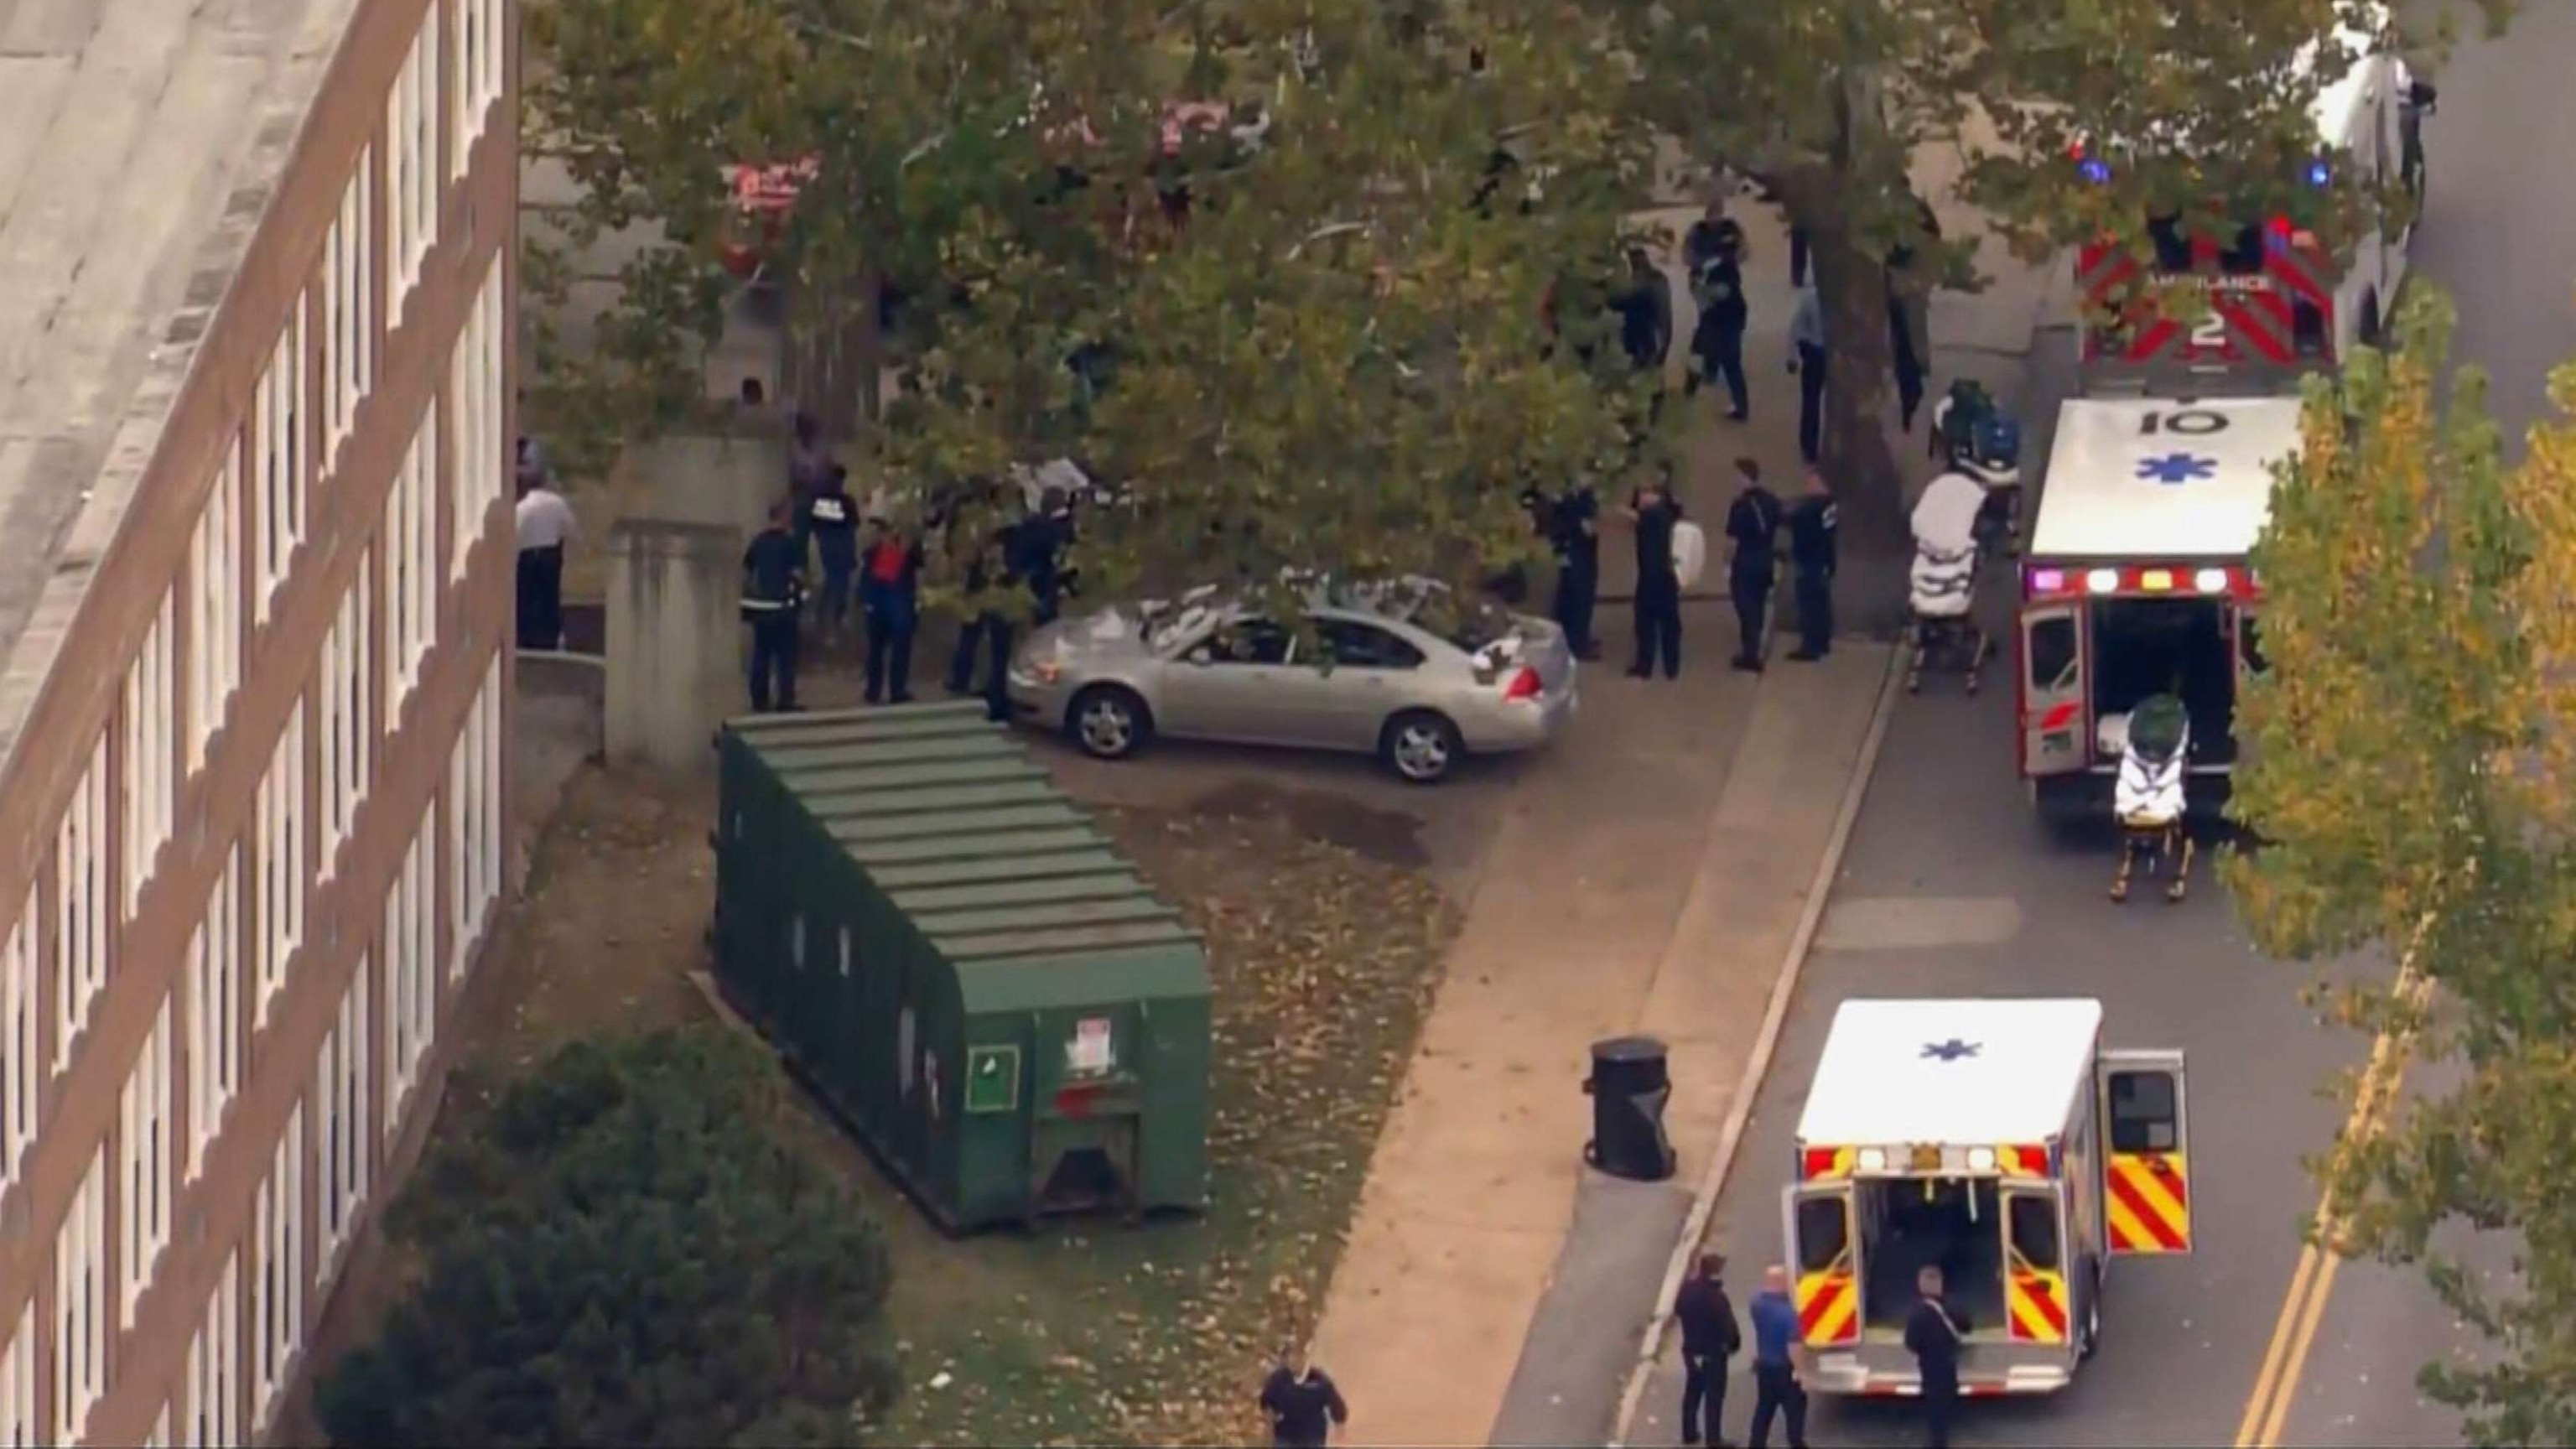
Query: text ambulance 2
{"points": [[2136, 583], [1998, 1141], [2278, 297]]}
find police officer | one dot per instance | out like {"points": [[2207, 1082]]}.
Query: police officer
{"points": [[773, 585], [1813, 522], [1574, 528], [1753, 523], [831, 521], [1655, 513]]}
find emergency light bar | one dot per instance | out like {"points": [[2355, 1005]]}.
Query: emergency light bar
{"points": [[2039, 583], [1926, 1159]]}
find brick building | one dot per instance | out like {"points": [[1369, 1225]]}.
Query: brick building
{"points": [[255, 300]]}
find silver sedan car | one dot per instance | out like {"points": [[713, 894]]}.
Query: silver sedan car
{"points": [[1373, 678]]}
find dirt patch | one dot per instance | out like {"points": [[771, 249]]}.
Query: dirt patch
{"points": [[1323, 962], [1389, 837]]}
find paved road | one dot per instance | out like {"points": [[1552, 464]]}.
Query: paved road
{"points": [[2502, 240], [1997, 906]]}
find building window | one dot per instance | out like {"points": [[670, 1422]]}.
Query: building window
{"points": [[19, 1078], [80, 935], [214, 1012], [348, 308], [479, 59], [411, 167], [18, 1426], [80, 1305], [144, 1146], [474, 822], [411, 976], [340, 1090], [277, 1277], [347, 721], [210, 1398], [277, 409], [214, 609], [279, 928], [411, 567], [474, 411], [151, 745]]}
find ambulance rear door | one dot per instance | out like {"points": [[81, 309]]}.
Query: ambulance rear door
{"points": [[1821, 1224], [2039, 1308], [2146, 1152], [2052, 691]]}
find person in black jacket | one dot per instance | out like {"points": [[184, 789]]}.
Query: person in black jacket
{"points": [[830, 520], [1710, 1340], [1574, 529], [1303, 1404], [1753, 522], [773, 585], [1813, 523], [1655, 512], [1933, 1331]]}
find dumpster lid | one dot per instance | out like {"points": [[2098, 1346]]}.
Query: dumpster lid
{"points": [[973, 871], [1010, 886], [1173, 971]]}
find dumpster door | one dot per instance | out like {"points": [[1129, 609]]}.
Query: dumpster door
{"points": [[1084, 1110]]}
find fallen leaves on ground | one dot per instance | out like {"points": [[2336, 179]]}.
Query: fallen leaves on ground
{"points": [[1322, 966]]}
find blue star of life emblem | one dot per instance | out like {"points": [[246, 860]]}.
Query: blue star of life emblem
{"points": [[2175, 469], [1949, 1051]]}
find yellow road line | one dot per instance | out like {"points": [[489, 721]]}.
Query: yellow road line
{"points": [[2276, 1384]]}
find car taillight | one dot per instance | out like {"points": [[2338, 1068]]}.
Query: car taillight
{"points": [[1525, 685]]}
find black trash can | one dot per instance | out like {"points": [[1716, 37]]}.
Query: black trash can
{"points": [[1629, 1086]]}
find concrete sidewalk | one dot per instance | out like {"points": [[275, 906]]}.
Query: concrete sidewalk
{"points": [[1649, 880], [1654, 880]]}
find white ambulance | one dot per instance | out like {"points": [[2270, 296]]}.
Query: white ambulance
{"points": [[1999, 1141], [2136, 582]]}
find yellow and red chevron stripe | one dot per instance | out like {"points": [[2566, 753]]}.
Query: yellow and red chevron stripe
{"points": [[2038, 1306], [2150, 1202], [1828, 1307], [2023, 1161]]}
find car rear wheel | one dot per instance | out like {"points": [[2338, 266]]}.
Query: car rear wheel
{"points": [[1421, 747], [1108, 722]]}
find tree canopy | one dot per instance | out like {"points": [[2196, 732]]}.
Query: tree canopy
{"points": [[1303, 344], [1837, 103], [625, 1251], [2412, 773]]}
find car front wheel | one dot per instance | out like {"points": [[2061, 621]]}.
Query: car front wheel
{"points": [[1421, 747], [1109, 723]]}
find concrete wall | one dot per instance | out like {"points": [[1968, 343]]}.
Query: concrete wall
{"points": [[675, 639]]}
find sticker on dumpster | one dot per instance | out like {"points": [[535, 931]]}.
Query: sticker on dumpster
{"points": [[1089, 1054]]}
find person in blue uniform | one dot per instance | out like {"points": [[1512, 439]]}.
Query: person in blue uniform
{"points": [[1814, 522], [773, 586], [1753, 524]]}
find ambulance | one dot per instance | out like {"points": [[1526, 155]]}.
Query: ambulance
{"points": [[2277, 297], [2001, 1142], [2135, 582]]}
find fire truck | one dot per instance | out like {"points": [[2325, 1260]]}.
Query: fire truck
{"points": [[2136, 583], [2001, 1142], [2277, 297]]}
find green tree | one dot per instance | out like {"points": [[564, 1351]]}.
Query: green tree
{"points": [[2412, 772], [1835, 102], [627, 1251], [1337, 363]]}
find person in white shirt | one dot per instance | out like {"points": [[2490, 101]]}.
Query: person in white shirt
{"points": [[546, 524]]}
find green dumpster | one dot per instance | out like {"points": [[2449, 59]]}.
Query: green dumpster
{"points": [[960, 964]]}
